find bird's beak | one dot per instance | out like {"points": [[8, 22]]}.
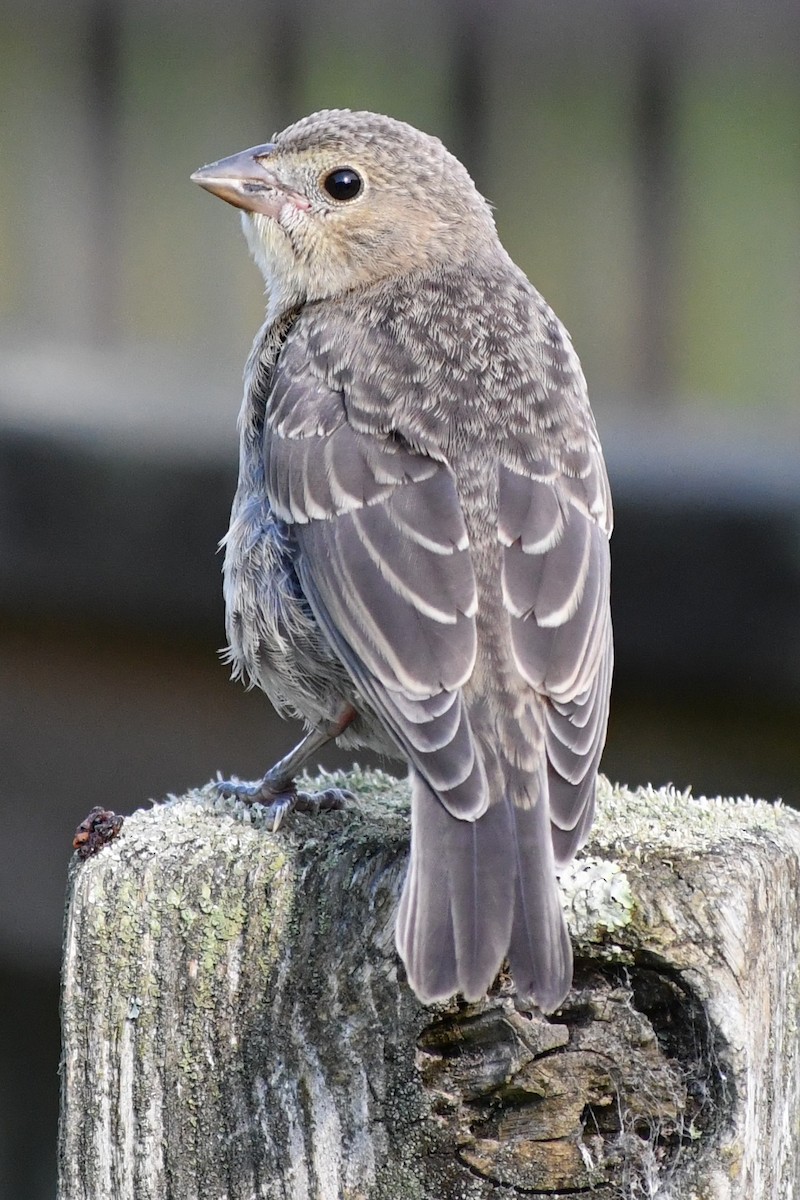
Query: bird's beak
{"points": [[247, 181]]}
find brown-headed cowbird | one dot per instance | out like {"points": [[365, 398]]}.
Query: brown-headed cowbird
{"points": [[418, 554]]}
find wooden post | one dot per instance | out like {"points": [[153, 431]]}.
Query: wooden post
{"points": [[236, 1025]]}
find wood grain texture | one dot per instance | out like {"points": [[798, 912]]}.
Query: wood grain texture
{"points": [[235, 1024]]}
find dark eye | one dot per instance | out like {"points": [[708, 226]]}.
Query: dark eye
{"points": [[343, 184]]}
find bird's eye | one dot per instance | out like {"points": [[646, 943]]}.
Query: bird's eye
{"points": [[343, 184]]}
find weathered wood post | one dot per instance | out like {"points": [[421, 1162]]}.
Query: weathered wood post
{"points": [[236, 1026]]}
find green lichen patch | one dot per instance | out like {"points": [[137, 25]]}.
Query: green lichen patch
{"points": [[651, 820], [598, 897]]}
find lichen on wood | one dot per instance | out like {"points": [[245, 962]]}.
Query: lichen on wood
{"points": [[236, 1024]]}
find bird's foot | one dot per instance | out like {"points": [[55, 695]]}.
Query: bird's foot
{"points": [[279, 798]]}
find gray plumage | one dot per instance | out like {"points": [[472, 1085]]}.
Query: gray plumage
{"points": [[420, 531]]}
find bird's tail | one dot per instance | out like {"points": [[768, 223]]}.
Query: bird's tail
{"points": [[478, 891]]}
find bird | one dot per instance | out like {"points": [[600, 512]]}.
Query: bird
{"points": [[418, 553]]}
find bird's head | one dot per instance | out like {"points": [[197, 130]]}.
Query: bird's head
{"points": [[342, 199]]}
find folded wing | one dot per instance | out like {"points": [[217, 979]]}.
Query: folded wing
{"points": [[554, 523], [383, 559]]}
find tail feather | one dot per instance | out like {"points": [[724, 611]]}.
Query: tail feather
{"points": [[478, 891], [425, 937], [454, 922], [540, 951]]}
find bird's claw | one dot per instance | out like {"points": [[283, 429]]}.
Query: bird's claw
{"points": [[332, 799], [280, 807], [277, 804], [248, 793]]}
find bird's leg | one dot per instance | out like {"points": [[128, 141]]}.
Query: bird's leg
{"points": [[277, 790]]}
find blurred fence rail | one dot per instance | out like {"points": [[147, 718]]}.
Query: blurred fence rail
{"points": [[642, 158]]}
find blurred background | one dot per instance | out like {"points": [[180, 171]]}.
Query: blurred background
{"points": [[644, 160]]}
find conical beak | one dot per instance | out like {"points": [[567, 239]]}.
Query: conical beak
{"points": [[247, 181]]}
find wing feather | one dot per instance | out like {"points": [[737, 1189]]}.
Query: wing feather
{"points": [[556, 581], [463, 795], [383, 558], [389, 625]]}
